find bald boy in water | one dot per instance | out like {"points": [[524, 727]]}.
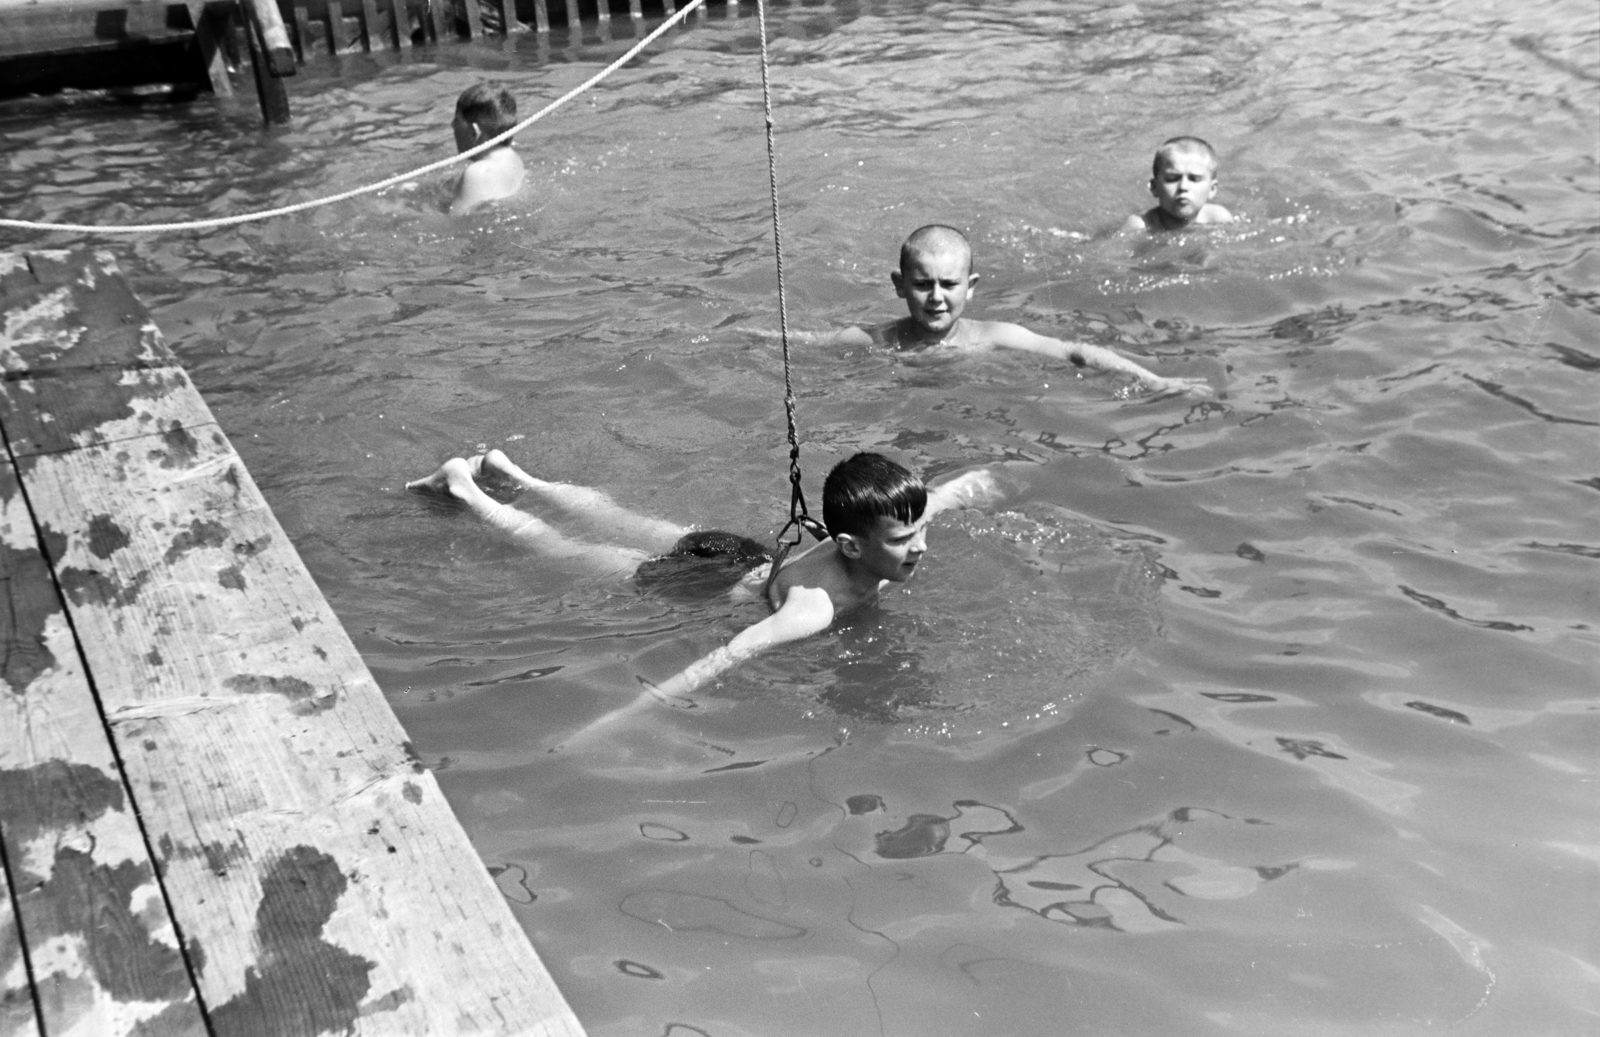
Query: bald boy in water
{"points": [[483, 112], [936, 280], [1183, 179], [876, 513]]}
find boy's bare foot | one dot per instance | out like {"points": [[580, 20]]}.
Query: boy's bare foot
{"points": [[499, 475], [446, 481]]}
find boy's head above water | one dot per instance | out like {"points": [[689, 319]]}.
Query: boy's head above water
{"points": [[935, 278], [873, 510], [482, 111], [1183, 179]]}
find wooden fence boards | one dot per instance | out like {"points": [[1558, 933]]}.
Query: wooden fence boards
{"points": [[316, 874]]}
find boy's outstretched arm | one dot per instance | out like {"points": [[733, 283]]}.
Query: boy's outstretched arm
{"points": [[805, 611], [851, 336], [1015, 336]]}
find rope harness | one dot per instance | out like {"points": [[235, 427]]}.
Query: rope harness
{"points": [[799, 518]]}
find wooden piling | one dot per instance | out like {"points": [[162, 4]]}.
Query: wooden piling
{"points": [[474, 18], [211, 820], [400, 12]]}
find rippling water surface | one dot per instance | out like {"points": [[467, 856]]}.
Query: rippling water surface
{"points": [[1269, 714]]}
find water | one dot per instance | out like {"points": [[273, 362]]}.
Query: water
{"points": [[1269, 714]]}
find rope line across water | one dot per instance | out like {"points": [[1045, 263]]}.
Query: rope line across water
{"points": [[285, 210]]}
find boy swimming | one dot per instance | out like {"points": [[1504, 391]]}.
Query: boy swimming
{"points": [[484, 112], [876, 513], [936, 280], [1183, 179]]}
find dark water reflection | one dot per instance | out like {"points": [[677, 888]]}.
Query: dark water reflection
{"points": [[1273, 713]]}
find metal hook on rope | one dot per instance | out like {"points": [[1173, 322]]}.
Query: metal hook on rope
{"points": [[799, 518]]}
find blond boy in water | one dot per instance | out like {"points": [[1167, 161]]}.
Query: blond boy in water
{"points": [[936, 280], [482, 113], [1183, 179], [876, 513]]}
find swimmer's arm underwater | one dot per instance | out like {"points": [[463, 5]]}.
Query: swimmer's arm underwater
{"points": [[805, 611], [1081, 354]]}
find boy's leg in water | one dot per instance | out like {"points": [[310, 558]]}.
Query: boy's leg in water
{"points": [[455, 479], [652, 534]]}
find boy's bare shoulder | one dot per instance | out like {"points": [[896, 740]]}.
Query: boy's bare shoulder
{"points": [[1142, 221], [496, 176]]}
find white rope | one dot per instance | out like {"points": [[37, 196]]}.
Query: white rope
{"points": [[265, 214]]}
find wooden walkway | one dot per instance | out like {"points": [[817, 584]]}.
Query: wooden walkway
{"points": [[211, 821]]}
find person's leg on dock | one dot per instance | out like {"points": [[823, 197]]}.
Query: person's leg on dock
{"points": [[630, 527], [456, 478]]}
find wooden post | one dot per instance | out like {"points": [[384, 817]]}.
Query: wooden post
{"points": [[207, 33], [270, 90], [302, 27], [438, 20], [602, 10], [371, 32], [474, 19], [541, 16], [336, 37], [574, 19], [400, 12], [273, 37]]}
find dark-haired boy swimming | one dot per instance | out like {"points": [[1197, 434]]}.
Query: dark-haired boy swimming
{"points": [[482, 113], [876, 513]]}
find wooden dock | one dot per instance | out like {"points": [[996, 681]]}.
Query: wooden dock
{"points": [[211, 823], [193, 45]]}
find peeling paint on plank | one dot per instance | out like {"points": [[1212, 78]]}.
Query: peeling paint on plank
{"points": [[305, 699], [201, 533], [106, 538], [53, 795], [301, 985]]}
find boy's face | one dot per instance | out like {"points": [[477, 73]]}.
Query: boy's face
{"points": [[1185, 184], [893, 548], [935, 287]]}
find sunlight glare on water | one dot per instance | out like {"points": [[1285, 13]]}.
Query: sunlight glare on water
{"points": [[1273, 713]]}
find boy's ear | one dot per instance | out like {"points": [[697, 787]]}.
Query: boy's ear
{"points": [[849, 545], [972, 283], [899, 280]]}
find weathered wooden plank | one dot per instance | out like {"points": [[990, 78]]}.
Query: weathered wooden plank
{"points": [[315, 871], [104, 951], [17, 1015]]}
